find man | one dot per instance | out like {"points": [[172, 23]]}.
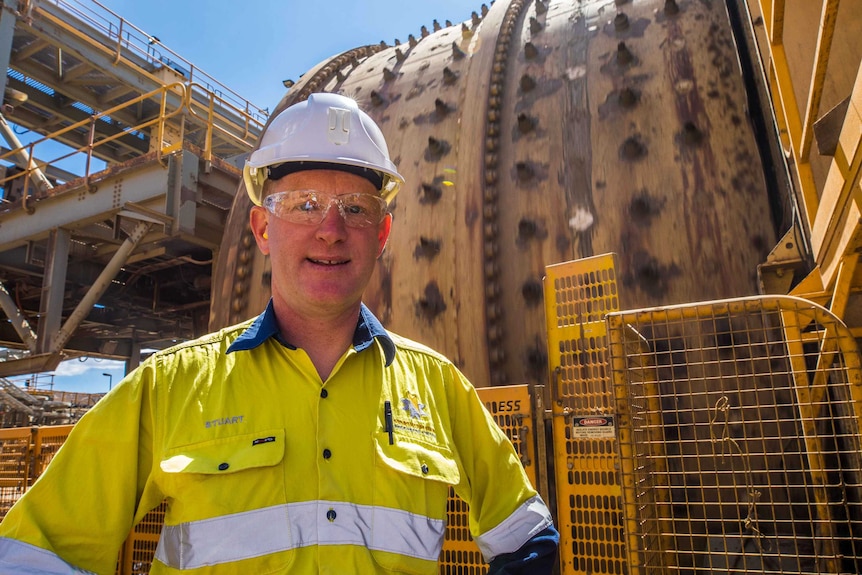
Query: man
{"points": [[307, 440]]}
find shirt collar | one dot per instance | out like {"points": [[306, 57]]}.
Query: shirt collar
{"points": [[368, 328]]}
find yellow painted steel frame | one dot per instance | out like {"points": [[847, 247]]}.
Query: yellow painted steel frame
{"points": [[833, 213], [131, 43], [590, 512], [209, 116], [219, 122]]}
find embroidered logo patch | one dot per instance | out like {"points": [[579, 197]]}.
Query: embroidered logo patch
{"points": [[411, 405], [411, 418]]}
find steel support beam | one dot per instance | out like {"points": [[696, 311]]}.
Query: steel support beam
{"points": [[39, 179], [75, 206], [184, 194], [99, 287], [19, 322], [7, 32], [53, 288]]}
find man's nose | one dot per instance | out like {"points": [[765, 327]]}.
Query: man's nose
{"points": [[339, 208], [333, 216]]}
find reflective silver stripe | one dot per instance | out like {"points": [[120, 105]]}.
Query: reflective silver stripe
{"points": [[284, 527], [19, 558], [518, 528]]}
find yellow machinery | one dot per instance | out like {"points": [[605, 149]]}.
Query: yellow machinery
{"points": [[714, 437], [812, 54]]}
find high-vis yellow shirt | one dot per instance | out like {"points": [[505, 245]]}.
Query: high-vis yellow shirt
{"points": [[267, 469]]}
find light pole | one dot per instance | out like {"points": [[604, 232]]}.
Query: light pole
{"points": [[110, 379]]}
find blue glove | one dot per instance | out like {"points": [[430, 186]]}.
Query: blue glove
{"points": [[538, 556]]}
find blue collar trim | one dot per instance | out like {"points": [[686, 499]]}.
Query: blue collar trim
{"points": [[368, 328]]}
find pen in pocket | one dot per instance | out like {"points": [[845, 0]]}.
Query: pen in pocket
{"points": [[387, 415]]}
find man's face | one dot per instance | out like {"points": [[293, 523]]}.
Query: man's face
{"points": [[319, 268]]}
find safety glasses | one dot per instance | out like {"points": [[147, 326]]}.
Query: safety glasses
{"points": [[311, 206]]}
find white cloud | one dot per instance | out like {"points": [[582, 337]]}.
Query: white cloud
{"points": [[76, 367]]}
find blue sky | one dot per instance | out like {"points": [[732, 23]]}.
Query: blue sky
{"points": [[251, 47]]}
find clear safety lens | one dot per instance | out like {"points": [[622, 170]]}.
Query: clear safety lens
{"points": [[311, 207]]}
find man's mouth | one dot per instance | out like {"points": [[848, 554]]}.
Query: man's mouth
{"points": [[327, 262]]}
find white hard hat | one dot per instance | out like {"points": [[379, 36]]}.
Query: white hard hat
{"points": [[327, 131]]}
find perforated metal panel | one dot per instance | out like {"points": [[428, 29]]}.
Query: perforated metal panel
{"points": [[740, 434], [512, 409], [140, 547], [578, 295]]}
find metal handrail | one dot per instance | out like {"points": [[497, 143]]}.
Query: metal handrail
{"points": [[177, 88], [125, 39], [250, 123]]}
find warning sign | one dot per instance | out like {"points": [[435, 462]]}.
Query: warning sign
{"points": [[596, 427]]}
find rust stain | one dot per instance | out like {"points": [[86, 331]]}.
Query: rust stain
{"points": [[644, 207], [427, 248], [431, 304], [702, 220]]}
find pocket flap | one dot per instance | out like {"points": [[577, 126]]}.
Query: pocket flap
{"points": [[228, 454], [419, 460]]}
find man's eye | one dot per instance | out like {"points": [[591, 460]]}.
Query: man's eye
{"points": [[303, 206], [354, 209]]}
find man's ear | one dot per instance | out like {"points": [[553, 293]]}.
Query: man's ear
{"points": [[259, 222], [383, 233]]}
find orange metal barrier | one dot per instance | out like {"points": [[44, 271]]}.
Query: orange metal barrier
{"points": [[24, 454], [15, 462]]}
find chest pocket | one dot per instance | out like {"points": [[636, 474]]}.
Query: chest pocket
{"points": [[228, 454], [226, 475], [414, 477], [417, 459]]}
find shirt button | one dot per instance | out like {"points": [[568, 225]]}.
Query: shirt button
{"points": [[324, 394], [424, 469], [331, 514], [223, 466], [327, 454]]}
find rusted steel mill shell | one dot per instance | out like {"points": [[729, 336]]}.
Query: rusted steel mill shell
{"points": [[541, 132]]}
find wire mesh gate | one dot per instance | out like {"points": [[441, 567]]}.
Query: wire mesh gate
{"points": [[740, 439], [721, 437]]}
